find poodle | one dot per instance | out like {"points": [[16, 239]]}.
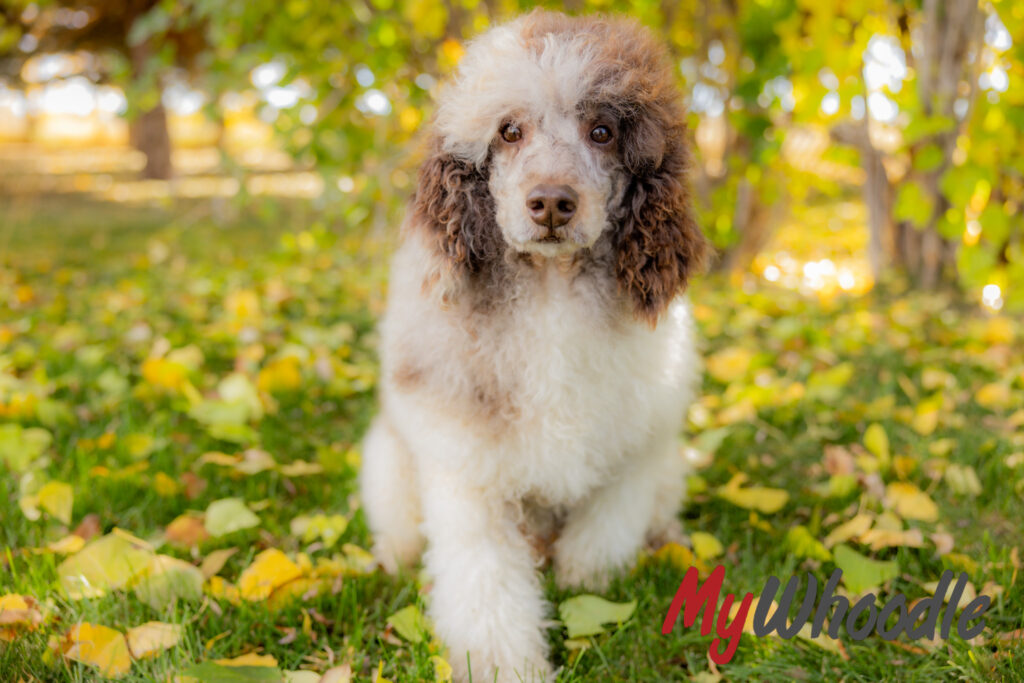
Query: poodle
{"points": [[537, 353]]}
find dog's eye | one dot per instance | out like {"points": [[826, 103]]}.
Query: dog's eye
{"points": [[510, 132], [602, 135]]}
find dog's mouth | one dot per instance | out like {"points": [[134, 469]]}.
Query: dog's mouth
{"points": [[551, 238]]}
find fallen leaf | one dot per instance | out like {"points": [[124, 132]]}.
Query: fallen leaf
{"points": [[68, 545], [877, 442], [705, 545], [210, 672], [994, 396], [800, 541], [584, 615], [214, 562], [729, 364], [762, 499], [270, 569], [106, 563], [99, 646], [337, 674], [228, 515], [910, 502], [248, 659], [57, 498], [849, 529], [301, 676], [409, 623], [442, 669], [153, 637], [186, 530], [168, 580], [860, 573]]}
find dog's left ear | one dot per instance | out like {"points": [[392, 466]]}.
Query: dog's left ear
{"points": [[659, 246]]}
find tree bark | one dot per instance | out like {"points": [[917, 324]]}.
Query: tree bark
{"points": [[149, 132], [150, 136]]}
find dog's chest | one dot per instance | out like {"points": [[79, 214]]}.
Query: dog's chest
{"points": [[577, 391]]}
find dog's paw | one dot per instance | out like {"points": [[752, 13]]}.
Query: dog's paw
{"points": [[574, 574], [538, 671], [391, 557]]}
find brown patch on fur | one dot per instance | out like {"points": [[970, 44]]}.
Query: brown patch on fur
{"points": [[407, 376], [454, 204], [658, 243]]}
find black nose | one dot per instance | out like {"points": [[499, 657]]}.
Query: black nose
{"points": [[551, 205]]}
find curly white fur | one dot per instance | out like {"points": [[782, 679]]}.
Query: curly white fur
{"points": [[550, 402]]}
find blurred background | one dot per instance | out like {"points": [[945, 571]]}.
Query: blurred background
{"points": [[840, 143]]}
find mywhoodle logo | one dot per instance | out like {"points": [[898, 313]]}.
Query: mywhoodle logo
{"points": [[692, 595]]}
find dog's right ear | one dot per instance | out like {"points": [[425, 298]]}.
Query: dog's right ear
{"points": [[453, 204]]}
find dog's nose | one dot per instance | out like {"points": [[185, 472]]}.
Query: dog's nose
{"points": [[551, 205]]}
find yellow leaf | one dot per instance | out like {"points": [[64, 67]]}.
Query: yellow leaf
{"points": [[762, 499], [243, 304], [164, 486], [847, 530], [994, 395], [68, 545], [164, 374], [98, 646], [911, 502], [248, 659], [379, 678], [676, 555], [442, 669], [281, 374], [56, 497], [151, 638], [269, 569], [877, 441], [705, 545], [729, 364], [225, 590]]}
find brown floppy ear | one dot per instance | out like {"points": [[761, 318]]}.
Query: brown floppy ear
{"points": [[659, 246], [453, 203]]}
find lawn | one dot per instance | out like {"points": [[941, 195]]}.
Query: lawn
{"points": [[181, 403]]}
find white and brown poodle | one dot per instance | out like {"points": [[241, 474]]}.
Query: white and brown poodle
{"points": [[537, 355]]}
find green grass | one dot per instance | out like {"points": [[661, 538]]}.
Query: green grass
{"points": [[92, 290]]}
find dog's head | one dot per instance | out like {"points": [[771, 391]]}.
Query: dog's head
{"points": [[555, 132]]}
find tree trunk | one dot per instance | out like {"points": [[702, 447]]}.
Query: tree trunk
{"points": [[149, 132], [883, 245], [752, 222], [149, 135]]}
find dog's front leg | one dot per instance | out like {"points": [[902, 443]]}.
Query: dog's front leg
{"points": [[604, 533], [486, 602]]}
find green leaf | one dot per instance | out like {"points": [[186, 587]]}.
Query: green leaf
{"points": [[208, 672], [913, 205], [802, 544], [20, 446], [410, 624], [168, 580], [584, 615], [108, 562], [860, 573], [227, 515]]}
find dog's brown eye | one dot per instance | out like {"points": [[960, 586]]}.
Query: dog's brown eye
{"points": [[601, 135], [510, 132]]}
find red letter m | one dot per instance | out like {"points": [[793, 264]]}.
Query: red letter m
{"points": [[694, 595]]}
